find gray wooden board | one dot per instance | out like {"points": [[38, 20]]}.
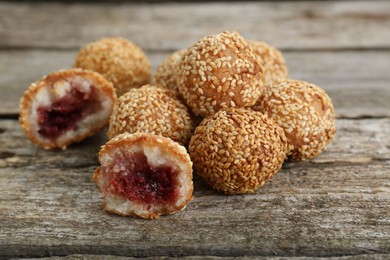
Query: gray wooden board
{"points": [[350, 257], [357, 81], [292, 25], [337, 204]]}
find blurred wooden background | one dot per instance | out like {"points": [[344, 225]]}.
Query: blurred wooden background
{"points": [[335, 205]]}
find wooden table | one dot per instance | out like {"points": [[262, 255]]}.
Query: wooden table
{"points": [[335, 205]]}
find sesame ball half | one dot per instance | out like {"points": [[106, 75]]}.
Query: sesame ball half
{"points": [[220, 71], [118, 60], [304, 111], [237, 150], [144, 175], [153, 110], [167, 72], [65, 107], [272, 60]]}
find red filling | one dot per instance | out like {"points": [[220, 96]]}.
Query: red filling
{"points": [[139, 182], [63, 114]]}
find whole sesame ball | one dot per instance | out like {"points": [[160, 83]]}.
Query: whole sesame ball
{"points": [[237, 150], [153, 110], [118, 60], [304, 111], [220, 71], [272, 60], [167, 72]]}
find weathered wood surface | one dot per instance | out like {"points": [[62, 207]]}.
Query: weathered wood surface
{"points": [[337, 204], [290, 25], [358, 82], [351, 257]]}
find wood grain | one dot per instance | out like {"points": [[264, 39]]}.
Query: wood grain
{"points": [[167, 26], [357, 141], [357, 81], [337, 204], [350, 257]]}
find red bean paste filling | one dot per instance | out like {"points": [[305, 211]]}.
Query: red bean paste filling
{"points": [[141, 183], [63, 114]]}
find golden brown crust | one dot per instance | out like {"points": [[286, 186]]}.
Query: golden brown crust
{"points": [[304, 111], [30, 95], [118, 60], [167, 72], [166, 146], [220, 71], [152, 110], [272, 60], [237, 150]]}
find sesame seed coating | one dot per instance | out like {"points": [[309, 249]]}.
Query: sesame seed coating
{"points": [[220, 71], [304, 111], [272, 60], [118, 60], [153, 110], [237, 150], [167, 72]]}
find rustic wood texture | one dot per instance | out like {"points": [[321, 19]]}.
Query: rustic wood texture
{"points": [[292, 25], [359, 257], [336, 205]]}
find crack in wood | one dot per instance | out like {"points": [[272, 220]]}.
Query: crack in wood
{"points": [[5, 155]]}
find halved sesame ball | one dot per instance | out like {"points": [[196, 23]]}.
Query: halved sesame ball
{"points": [[304, 111], [272, 60], [152, 110], [237, 150], [66, 107], [220, 71], [144, 175], [118, 60], [167, 72]]}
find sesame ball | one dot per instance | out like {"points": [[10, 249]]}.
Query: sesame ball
{"points": [[271, 59], [237, 150], [118, 60], [167, 72], [220, 71], [153, 110], [304, 111]]}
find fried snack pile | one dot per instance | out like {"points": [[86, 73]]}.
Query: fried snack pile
{"points": [[228, 99]]}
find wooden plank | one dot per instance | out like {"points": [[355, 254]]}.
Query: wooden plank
{"points": [[356, 142], [93, 257], [330, 206], [165, 1], [156, 26], [357, 81]]}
